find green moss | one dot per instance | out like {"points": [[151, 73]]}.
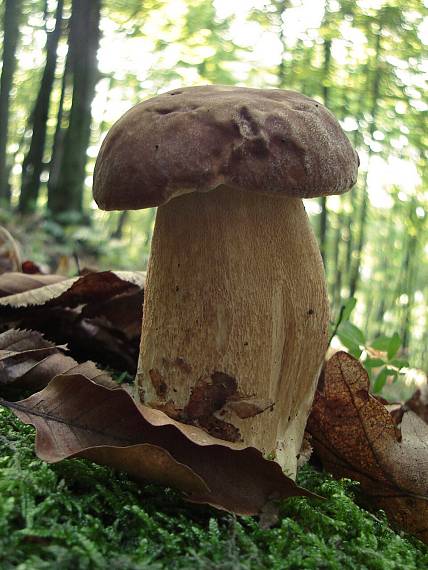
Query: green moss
{"points": [[81, 516]]}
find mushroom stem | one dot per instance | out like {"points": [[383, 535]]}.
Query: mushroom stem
{"points": [[235, 318]]}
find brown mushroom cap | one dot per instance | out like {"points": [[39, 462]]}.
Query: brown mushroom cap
{"points": [[198, 138]]}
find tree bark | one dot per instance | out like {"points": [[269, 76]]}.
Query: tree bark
{"points": [[58, 141], [410, 268], [12, 11], [67, 196], [281, 6], [336, 268], [118, 232], [33, 162], [325, 95], [375, 93]]}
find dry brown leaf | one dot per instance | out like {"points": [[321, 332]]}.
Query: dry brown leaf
{"points": [[355, 436], [12, 285], [27, 360], [33, 291], [123, 312], [97, 315], [75, 417]]}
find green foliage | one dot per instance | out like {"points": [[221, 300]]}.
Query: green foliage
{"points": [[79, 515], [364, 60], [380, 367]]}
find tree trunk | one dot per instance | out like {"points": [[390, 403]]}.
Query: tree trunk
{"points": [[336, 268], [281, 6], [118, 232], [83, 46], [361, 238], [325, 95], [410, 267], [58, 142], [33, 162], [375, 92], [12, 10]]}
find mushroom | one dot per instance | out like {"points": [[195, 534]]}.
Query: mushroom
{"points": [[236, 311]]}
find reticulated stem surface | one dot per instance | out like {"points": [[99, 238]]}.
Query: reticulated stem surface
{"points": [[235, 318]]}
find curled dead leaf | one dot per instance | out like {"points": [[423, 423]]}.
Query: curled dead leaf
{"points": [[75, 417], [13, 285], [40, 290], [28, 360], [355, 436], [98, 315]]}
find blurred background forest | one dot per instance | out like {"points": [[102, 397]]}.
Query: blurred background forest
{"points": [[70, 68]]}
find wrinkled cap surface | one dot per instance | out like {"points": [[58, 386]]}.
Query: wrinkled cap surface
{"points": [[198, 138]]}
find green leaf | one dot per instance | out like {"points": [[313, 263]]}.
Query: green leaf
{"points": [[382, 377], [373, 362], [355, 352], [348, 307], [380, 381], [399, 363], [381, 343], [394, 345], [350, 335], [388, 344], [349, 344]]}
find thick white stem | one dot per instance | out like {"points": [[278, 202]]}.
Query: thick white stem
{"points": [[235, 318]]}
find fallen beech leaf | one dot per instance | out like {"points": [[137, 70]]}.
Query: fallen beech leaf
{"points": [[123, 312], [70, 292], [97, 315], [12, 285], [29, 360], [75, 417], [355, 436]]}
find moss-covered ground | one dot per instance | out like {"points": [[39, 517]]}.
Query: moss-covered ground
{"points": [[81, 516]]}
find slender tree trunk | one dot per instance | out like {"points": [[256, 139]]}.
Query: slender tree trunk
{"points": [[368, 315], [362, 225], [406, 323], [349, 244], [281, 6], [386, 294], [83, 46], [33, 162], [118, 232], [423, 358], [336, 282], [58, 141], [410, 267], [361, 237], [12, 11], [325, 95]]}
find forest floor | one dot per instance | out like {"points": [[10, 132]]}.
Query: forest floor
{"points": [[78, 515]]}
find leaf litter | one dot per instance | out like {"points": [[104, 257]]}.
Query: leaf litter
{"points": [[355, 436], [82, 412], [97, 314]]}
